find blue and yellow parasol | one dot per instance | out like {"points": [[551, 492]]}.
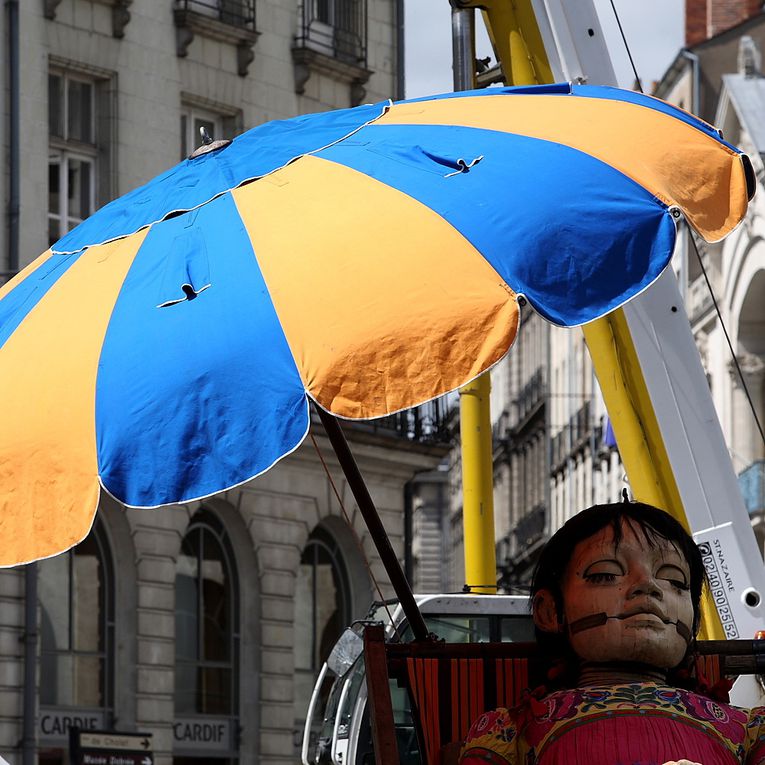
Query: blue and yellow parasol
{"points": [[369, 259]]}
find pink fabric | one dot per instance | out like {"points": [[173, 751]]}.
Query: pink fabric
{"points": [[631, 724]]}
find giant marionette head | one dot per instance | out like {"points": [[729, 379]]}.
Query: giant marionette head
{"points": [[619, 583]]}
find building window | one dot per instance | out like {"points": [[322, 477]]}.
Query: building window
{"points": [[336, 28], [77, 625], [322, 601], [332, 42], [231, 21], [206, 622], [79, 167], [322, 611], [218, 120], [237, 13], [193, 121]]}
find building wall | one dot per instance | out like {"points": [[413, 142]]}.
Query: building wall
{"points": [[269, 521], [152, 82], [550, 457], [729, 73], [147, 87], [735, 267], [430, 533], [717, 55], [707, 18]]}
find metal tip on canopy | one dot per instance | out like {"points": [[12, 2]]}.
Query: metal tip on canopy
{"points": [[208, 144]]}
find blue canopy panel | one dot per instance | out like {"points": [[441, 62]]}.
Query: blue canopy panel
{"points": [[575, 236], [210, 395]]}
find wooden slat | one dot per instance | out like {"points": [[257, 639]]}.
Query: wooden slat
{"points": [[380, 706]]}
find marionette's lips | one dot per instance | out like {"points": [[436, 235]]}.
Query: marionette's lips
{"points": [[645, 609]]}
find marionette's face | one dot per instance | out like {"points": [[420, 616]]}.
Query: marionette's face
{"points": [[630, 602]]}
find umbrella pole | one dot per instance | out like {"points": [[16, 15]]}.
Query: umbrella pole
{"points": [[374, 524]]}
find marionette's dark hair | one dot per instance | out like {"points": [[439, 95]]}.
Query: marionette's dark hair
{"points": [[646, 520]]}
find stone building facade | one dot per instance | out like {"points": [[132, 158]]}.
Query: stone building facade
{"points": [[139, 76], [720, 78], [205, 624]]}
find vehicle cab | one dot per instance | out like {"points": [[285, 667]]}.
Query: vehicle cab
{"points": [[337, 728]]}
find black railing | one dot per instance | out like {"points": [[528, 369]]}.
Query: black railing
{"points": [[531, 527], [576, 433], [236, 13], [337, 28], [425, 424], [532, 394], [518, 550]]}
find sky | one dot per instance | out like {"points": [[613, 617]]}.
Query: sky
{"points": [[654, 30]]}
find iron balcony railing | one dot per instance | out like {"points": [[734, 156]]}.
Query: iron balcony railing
{"points": [[337, 28], [236, 13], [517, 550], [578, 431], [531, 395], [425, 424], [530, 527]]}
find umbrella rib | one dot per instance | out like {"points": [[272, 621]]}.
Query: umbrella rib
{"points": [[374, 524]]}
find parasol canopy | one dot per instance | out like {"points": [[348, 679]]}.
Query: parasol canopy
{"points": [[370, 259]]}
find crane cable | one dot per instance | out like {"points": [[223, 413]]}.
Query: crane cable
{"points": [[727, 336], [627, 48]]}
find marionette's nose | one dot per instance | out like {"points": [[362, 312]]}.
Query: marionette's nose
{"points": [[644, 583]]}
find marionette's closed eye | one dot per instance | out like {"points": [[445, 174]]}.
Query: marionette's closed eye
{"points": [[674, 575], [603, 572]]}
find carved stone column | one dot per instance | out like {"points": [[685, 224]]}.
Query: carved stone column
{"points": [[746, 440]]}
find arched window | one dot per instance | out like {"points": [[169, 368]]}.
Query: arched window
{"points": [[206, 622], [322, 611], [76, 594], [322, 601]]}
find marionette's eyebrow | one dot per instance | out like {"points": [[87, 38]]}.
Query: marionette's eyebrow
{"points": [[601, 561]]}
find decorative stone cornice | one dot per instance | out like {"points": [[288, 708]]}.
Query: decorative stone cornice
{"points": [[49, 8], [308, 61], [752, 369], [120, 17], [120, 13], [190, 23]]}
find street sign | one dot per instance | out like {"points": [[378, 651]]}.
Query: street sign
{"points": [[107, 747]]}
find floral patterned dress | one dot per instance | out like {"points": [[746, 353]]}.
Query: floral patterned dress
{"points": [[629, 724]]}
